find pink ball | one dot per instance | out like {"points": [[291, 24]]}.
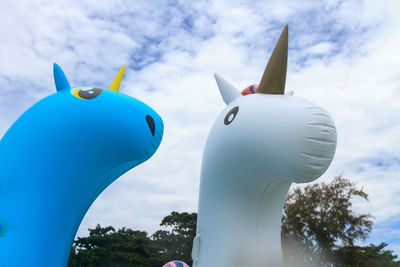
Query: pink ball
{"points": [[175, 264]]}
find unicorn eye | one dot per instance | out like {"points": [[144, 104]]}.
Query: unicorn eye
{"points": [[87, 93], [230, 116]]}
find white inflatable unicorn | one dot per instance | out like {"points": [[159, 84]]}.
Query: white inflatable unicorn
{"points": [[258, 146]]}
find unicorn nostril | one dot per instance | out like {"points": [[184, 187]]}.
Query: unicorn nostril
{"points": [[150, 122]]}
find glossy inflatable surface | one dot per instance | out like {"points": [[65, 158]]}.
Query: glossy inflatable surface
{"points": [[58, 157], [258, 146]]}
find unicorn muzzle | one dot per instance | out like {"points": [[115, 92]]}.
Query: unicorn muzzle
{"points": [[318, 145]]}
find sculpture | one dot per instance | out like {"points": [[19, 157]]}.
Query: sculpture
{"points": [[258, 146], [58, 157]]}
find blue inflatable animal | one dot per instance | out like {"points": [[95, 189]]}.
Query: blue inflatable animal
{"points": [[58, 157]]}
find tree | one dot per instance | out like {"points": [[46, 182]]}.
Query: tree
{"points": [[318, 220], [107, 247], [369, 256], [176, 244]]}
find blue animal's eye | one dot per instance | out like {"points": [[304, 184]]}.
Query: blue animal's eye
{"points": [[87, 93], [231, 115]]}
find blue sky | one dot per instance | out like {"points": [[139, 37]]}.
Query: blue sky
{"points": [[343, 55]]}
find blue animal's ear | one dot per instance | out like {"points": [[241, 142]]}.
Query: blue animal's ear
{"points": [[60, 79]]}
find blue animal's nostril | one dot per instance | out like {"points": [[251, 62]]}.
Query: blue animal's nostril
{"points": [[152, 125]]}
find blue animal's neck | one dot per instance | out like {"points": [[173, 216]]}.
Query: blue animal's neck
{"points": [[34, 193]]}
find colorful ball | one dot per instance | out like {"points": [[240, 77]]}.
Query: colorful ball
{"points": [[175, 264], [252, 89]]}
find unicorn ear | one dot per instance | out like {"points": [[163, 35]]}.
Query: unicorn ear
{"points": [[60, 79], [227, 90]]}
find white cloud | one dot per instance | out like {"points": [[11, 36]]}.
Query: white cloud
{"points": [[320, 48]]}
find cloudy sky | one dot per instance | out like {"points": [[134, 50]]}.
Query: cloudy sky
{"points": [[343, 55]]}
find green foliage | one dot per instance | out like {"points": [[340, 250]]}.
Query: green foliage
{"points": [[319, 227], [126, 247], [369, 256], [107, 247], [177, 243]]}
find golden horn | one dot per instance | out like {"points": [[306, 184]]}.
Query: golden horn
{"points": [[117, 80], [274, 77]]}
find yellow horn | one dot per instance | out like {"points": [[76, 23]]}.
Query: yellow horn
{"points": [[117, 80]]}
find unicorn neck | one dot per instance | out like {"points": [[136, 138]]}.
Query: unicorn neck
{"points": [[38, 192], [240, 215]]}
